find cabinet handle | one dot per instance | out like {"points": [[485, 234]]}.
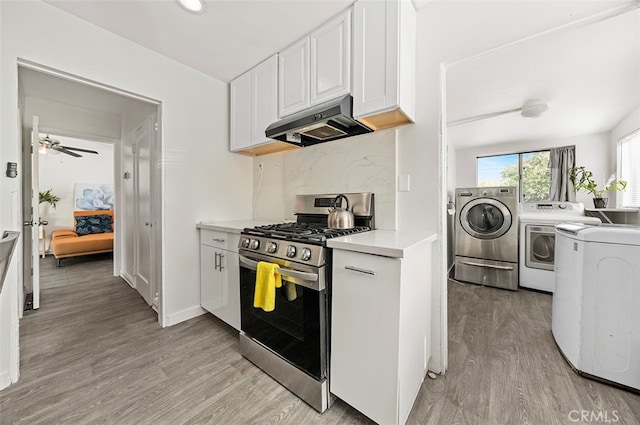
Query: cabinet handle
{"points": [[218, 240], [359, 270], [215, 261], [220, 256]]}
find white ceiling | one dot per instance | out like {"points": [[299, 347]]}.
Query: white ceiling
{"points": [[229, 38], [589, 76]]}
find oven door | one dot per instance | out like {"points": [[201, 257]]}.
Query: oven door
{"points": [[540, 244], [296, 329]]}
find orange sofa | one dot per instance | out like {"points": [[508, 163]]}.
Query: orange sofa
{"points": [[66, 243]]}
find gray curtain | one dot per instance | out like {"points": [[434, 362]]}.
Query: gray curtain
{"points": [[562, 160]]}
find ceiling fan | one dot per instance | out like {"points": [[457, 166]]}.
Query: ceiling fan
{"points": [[533, 108], [53, 144]]}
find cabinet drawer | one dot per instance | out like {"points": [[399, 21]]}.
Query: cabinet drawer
{"points": [[214, 238], [487, 272]]}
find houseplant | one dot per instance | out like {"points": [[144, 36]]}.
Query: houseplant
{"points": [[48, 197], [583, 179]]}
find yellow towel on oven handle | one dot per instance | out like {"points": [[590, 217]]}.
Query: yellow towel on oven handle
{"points": [[267, 280]]}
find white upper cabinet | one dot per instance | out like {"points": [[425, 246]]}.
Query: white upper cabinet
{"points": [[293, 81], [254, 105], [240, 114], [317, 68], [384, 62], [265, 95], [331, 59]]}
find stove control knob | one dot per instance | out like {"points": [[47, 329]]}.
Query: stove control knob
{"points": [[272, 247], [245, 242], [291, 251], [254, 244], [306, 254]]}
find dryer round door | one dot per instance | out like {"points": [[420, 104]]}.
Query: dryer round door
{"points": [[485, 218]]}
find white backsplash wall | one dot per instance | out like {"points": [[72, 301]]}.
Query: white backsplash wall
{"points": [[365, 163]]}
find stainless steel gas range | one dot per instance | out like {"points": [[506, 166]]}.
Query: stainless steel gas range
{"points": [[291, 343]]}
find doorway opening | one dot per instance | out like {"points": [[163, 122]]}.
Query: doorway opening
{"points": [[90, 116]]}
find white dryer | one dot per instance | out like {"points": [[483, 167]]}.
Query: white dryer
{"points": [[537, 239], [596, 304]]}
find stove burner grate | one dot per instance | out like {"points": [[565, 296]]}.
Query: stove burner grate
{"points": [[304, 231]]}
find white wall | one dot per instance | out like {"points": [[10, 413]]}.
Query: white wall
{"points": [[201, 178], [592, 151], [365, 163], [60, 172]]}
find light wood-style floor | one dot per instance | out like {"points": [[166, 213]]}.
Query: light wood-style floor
{"points": [[94, 353], [505, 368]]}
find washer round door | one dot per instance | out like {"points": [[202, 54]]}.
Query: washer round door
{"points": [[485, 218]]}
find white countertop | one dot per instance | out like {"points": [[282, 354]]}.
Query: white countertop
{"points": [[234, 226], [387, 243]]}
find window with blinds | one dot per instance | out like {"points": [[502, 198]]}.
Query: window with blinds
{"points": [[629, 168]]}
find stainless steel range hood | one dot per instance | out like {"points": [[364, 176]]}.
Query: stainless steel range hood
{"points": [[321, 123]]}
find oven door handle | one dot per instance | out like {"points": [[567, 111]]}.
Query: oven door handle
{"points": [[253, 265]]}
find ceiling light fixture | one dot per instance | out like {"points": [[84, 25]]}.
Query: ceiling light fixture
{"points": [[533, 108], [194, 6]]}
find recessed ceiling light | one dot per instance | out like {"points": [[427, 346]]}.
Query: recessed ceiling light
{"points": [[195, 6]]}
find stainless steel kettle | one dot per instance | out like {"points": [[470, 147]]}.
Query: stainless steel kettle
{"points": [[340, 218]]}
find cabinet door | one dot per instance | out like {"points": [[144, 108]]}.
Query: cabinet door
{"points": [[364, 333], [293, 78], [210, 279], [265, 98], [240, 113], [229, 309], [375, 63], [220, 284], [331, 59]]}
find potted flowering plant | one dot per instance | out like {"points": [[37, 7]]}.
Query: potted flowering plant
{"points": [[583, 179]]}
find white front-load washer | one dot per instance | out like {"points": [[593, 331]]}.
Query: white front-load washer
{"points": [[486, 236], [596, 303], [537, 239]]}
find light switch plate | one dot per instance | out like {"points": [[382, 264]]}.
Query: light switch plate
{"points": [[403, 183]]}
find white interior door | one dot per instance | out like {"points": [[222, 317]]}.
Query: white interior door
{"points": [[143, 219], [34, 222]]}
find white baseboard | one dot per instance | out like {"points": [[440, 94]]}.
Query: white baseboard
{"points": [[5, 381], [435, 364], [127, 278], [186, 314]]}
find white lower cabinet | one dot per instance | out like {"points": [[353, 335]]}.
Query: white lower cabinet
{"points": [[379, 332], [219, 277]]}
